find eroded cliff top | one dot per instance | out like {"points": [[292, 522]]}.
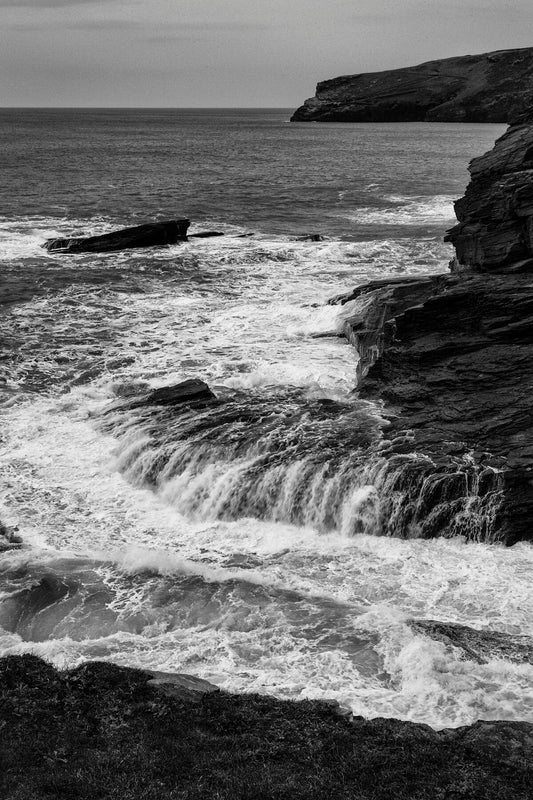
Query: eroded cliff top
{"points": [[488, 87]]}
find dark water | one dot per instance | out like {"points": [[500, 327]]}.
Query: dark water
{"points": [[243, 543], [243, 167]]}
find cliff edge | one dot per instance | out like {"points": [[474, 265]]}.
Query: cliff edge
{"points": [[451, 359], [489, 87]]}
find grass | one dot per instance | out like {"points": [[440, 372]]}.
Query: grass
{"points": [[99, 731]]}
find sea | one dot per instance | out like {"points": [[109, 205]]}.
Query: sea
{"points": [[234, 543]]}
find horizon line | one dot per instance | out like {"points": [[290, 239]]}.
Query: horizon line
{"points": [[144, 108]]}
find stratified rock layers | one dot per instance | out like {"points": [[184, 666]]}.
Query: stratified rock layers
{"points": [[451, 356], [489, 87]]}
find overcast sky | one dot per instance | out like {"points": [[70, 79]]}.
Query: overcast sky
{"points": [[230, 52]]}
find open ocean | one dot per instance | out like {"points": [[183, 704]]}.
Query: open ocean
{"points": [[234, 544]]}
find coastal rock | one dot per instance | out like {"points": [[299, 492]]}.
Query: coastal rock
{"points": [[489, 87], [184, 392], [149, 235], [192, 392], [451, 359], [183, 687], [479, 646], [495, 229], [205, 235], [9, 540]]}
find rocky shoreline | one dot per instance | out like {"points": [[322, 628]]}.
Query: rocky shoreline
{"points": [[488, 87], [450, 357]]}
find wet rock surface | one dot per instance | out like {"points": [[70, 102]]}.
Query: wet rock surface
{"points": [[451, 356], [149, 235], [9, 539], [495, 229], [489, 87], [478, 645]]}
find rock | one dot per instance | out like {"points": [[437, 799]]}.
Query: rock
{"points": [[192, 392], [480, 646], [149, 235], [451, 358], [183, 392], [495, 230], [205, 234], [312, 237], [183, 687], [9, 540], [489, 87]]}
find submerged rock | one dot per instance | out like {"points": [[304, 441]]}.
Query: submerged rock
{"points": [[451, 357], [205, 235], [9, 539], [149, 235], [480, 646], [489, 87], [183, 392]]}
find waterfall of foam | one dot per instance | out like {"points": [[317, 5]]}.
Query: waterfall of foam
{"points": [[302, 459]]}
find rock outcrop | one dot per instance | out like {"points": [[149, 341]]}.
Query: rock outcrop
{"points": [[480, 646], [495, 230], [451, 358], [150, 235], [489, 87]]}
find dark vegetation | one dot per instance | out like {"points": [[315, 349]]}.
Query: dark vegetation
{"points": [[100, 731]]}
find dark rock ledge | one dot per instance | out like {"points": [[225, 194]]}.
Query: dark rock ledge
{"points": [[451, 356], [105, 731]]}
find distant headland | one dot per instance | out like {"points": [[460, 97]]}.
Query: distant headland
{"points": [[489, 87]]}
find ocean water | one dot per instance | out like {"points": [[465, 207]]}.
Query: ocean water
{"points": [[240, 543]]}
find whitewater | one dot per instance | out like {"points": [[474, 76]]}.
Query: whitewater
{"points": [[238, 544]]}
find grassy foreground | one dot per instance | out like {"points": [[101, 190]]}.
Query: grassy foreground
{"points": [[100, 731]]}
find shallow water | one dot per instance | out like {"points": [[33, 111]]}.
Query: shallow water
{"points": [[239, 544]]}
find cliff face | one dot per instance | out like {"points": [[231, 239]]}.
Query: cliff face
{"points": [[489, 87], [495, 230], [451, 357]]}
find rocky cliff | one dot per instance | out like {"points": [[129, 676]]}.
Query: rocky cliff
{"points": [[489, 87], [451, 358]]}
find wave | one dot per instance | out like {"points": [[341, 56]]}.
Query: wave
{"points": [[406, 210]]}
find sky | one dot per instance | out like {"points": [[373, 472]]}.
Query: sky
{"points": [[230, 53]]}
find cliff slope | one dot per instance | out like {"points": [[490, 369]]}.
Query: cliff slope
{"points": [[489, 87], [451, 358], [104, 731]]}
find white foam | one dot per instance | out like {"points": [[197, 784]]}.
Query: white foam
{"points": [[407, 210]]}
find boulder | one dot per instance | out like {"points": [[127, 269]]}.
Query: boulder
{"points": [[183, 687], [149, 235], [489, 87]]}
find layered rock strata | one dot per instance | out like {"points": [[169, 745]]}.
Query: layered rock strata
{"points": [[451, 359], [489, 87]]}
